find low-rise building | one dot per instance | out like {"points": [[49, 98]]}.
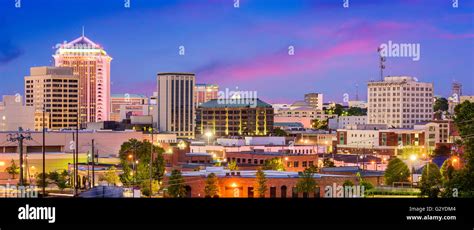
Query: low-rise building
{"points": [[342, 122], [14, 114]]}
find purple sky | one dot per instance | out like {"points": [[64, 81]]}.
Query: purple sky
{"points": [[247, 47]]}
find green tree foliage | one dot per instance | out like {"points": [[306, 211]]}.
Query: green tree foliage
{"points": [[274, 164], [397, 171], [13, 169], [442, 150], [134, 150], [39, 180], [431, 181], [441, 104], [145, 187], [111, 177], [261, 183], [176, 185], [306, 182], [462, 183], [211, 188], [60, 179], [319, 124], [232, 165], [447, 170], [279, 132], [313, 169], [328, 163], [356, 111]]}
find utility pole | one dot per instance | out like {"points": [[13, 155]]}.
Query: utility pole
{"points": [[151, 151], [74, 163], [20, 137], [44, 153], [77, 154], [93, 164]]}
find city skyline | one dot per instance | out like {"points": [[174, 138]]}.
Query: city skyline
{"points": [[247, 47]]}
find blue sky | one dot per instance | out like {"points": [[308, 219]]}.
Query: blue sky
{"points": [[247, 47]]}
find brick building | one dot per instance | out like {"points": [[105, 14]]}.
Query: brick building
{"points": [[242, 184]]}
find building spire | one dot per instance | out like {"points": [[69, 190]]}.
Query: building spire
{"points": [[82, 31]]}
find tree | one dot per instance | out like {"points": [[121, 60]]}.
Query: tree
{"points": [[39, 180], [442, 150], [145, 187], [133, 151], [338, 109], [462, 183], [13, 169], [306, 182], [313, 168], [328, 163], [431, 181], [347, 183], [159, 166], [441, 104], [232, 165], [60, 179], [397, 171], [176, 185], [356, 111], [261, 183], [111, 176], [279, 132], [212, 186], [447, 171], [274, 164], [319, 124]]}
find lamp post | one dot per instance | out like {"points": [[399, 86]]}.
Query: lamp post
{"points": [[208, 135], [413, 158]]}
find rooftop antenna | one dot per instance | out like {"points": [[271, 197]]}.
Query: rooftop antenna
{"points": [[357, 92], [382, 62]]}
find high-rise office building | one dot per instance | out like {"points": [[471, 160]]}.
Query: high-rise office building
{"points": [[314, 100], [56, 90], [176, 103], [204, 93], [92, 64], [399, 101]]}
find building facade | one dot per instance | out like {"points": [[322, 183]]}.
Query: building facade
{"points": [[204, 93], [343, 122], [234, 119], [176, 106], [121, 102], [56, 90], [92, 64], [314, 100], [399, 102], [14, 114]]}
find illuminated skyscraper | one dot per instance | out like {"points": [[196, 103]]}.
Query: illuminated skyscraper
{"points": [[92, 64]]}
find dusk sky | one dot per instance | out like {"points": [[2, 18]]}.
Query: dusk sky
{"points": [[247, 47]]}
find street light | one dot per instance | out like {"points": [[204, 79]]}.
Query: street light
{"points": [[208, 135], [413, 158]]}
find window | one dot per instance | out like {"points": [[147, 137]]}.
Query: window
{"points": [[250, 192], [296, 164], [294, 192], [283, 191], [273, 191]]}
